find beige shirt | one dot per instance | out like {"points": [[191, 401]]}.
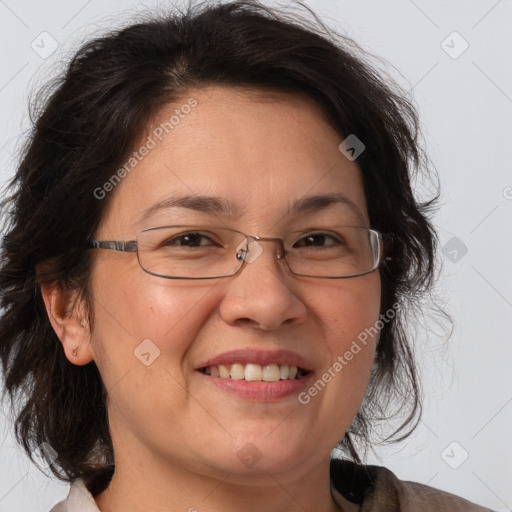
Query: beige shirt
{"points": [[354, 487]]}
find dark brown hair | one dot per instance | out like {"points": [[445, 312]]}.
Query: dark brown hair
{"points": [[88, 120]]}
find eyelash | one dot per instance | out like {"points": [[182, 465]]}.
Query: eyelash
{"points": [[183, 235]]}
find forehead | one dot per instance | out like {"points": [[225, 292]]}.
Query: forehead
{"points": [[240, 153]]}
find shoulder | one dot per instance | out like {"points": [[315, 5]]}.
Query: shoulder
{"points": [[376, 488], [430, 498]]}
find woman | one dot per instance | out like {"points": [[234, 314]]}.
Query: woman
{"points": [[211, 249]]}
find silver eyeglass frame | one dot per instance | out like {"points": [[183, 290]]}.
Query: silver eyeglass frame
{"points": [[132, 246]]}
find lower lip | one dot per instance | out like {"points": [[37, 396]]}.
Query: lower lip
{"points": [[260, 391]]}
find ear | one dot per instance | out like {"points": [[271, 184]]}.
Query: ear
{"points": [[69, 323]]}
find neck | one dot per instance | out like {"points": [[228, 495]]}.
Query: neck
{"points": [[160, 487]]}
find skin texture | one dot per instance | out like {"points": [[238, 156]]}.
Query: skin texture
{"points": [[175, 436]]}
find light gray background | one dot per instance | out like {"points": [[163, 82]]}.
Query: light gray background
{"points": [[466, 108]]}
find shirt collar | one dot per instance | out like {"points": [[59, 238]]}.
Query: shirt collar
{"points": [[79, 498]]}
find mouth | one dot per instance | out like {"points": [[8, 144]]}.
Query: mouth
{"points": [[257, 375], [253, 372]]}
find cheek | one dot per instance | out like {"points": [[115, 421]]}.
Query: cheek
{"points": [[349, 310], [136, 313], [142, 331], [349, 315]]}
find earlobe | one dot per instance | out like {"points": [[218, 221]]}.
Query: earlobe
{"points": [[68, 322]]}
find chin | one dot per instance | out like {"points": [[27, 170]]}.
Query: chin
{"points": [[256, 468], [259, 455]]}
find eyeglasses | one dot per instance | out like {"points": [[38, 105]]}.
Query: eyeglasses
{"points": [[206, 252]]}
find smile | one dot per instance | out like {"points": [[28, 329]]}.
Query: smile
{"points": [[254, 372]]}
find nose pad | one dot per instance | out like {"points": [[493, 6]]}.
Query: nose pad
{"points": [[249, 250]]}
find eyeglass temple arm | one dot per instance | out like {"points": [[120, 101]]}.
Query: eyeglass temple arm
{"points": [[130, 246]]}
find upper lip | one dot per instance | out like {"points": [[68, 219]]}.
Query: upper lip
{"points": [[261, 357]]}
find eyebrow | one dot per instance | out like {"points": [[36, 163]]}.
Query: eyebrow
{"points": [[214, 205]]}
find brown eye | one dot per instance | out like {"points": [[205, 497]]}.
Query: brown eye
{"points": [[187, 239], [316, 239]]}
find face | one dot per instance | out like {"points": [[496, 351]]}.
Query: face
{"points": [[261, 154]]}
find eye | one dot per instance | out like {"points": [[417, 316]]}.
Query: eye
{"points": [[190, 239], [316, 239]]}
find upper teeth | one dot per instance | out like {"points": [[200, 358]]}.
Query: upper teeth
{"points": [[253, 372]]}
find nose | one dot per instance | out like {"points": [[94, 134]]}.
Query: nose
{"points": [[262, 293]]}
